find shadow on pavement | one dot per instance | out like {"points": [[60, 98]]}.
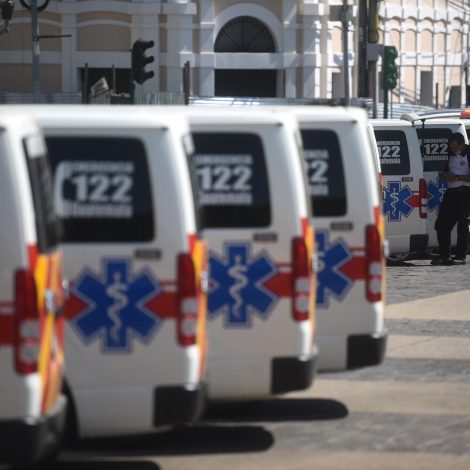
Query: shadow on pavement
{"points": [[187, 440], [276, 410], [103, 465]]}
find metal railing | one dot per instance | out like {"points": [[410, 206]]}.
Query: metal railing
{"points": [[27, 98]]}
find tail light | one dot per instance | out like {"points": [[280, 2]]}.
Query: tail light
{"points": [[373, 264], [27, 323], [188, 301], [301, 277], [423, 199]]}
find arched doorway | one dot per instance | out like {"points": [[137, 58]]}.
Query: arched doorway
{"points": [[241, 35]]}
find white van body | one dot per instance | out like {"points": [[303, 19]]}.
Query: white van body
{"points": [[433, 135], [343, 183], [378, 171], [32, 409], [375, 153], [255, 218], [135, 341], [404, 188]]}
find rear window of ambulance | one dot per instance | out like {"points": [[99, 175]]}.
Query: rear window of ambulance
{"points": [[393, 151], [327, 187], [233, 180], [434, 147], [102, 189], [47, 224]]}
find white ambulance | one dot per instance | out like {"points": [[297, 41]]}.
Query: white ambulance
{"points": [[465, 116], [32, 408], [433, 133], [343, 186], [404, 189], [255, 217], [135, 330]]}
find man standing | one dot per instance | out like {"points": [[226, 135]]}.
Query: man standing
{"points": [[455, 204]]}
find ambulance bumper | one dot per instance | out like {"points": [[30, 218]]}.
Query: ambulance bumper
{"points": [[418, 243], [292, 373], [366, 350], [32, 439], [179, 405]]}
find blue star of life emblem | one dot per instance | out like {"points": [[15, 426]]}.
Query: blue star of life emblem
{"points": [[330, 280], [395, 201], [116, 309], [237, 290], [436, 190]]}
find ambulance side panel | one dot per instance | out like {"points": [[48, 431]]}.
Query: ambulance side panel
{"points": [[255, 346], [344, 189], [32, 410], [403, 209], [126, 369], [20, 395], [433, 138]]}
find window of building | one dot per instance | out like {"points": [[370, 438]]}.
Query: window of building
{"points": [[244, 34], [119, 79]]}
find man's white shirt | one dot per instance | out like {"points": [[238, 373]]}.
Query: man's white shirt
{"points": [[458, 165]]}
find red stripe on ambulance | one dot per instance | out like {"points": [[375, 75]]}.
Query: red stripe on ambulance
{"points": [[280, 284], [355, 268], [6, 330], [74, 306], [164, 305]]}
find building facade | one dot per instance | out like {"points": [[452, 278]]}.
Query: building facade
{"points": [[283, 48], [432, 37]]}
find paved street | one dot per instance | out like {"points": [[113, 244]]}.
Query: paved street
{"points": [[411, 412]]}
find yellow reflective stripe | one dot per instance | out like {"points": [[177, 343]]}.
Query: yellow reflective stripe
{"points": [[199, 256], [40, 276], [46, 345], [47, 276]]}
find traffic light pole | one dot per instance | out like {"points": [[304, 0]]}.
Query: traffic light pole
{"points": [[132, 89], [385, 104], [362, 85], [373, 38], [345, 24], [36, 64]]}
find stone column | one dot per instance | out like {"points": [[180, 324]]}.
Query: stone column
{"points": [[289, 46], [314, 49], [206, 68], [69, 53], [179, 14]]}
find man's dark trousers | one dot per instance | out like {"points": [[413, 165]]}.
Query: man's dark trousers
{"points": [[453, 209]]}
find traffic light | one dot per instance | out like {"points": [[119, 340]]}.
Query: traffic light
{"points": [[389, 68], [140, 60]]}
